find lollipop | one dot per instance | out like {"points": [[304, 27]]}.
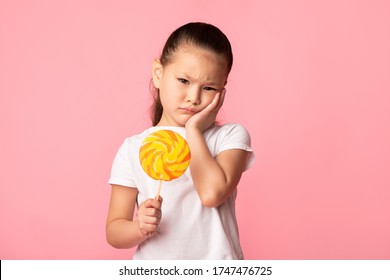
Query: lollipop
{"points": [[164, 155]]}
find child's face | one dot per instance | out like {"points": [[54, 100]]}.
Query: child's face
{"points": [[188, 83]]}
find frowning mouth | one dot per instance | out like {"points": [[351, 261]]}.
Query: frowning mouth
{"points": [[188, 110]]}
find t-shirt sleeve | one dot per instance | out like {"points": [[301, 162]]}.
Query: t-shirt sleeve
{"points": [[121, 170], [235, 136]]}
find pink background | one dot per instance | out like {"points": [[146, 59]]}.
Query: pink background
{"points": [[310, 82]]}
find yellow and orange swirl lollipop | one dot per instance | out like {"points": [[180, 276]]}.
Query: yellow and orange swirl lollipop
{"points": [[164, 155]]}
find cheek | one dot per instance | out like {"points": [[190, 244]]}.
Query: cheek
{"points": [[208, 98], [172, 89]]}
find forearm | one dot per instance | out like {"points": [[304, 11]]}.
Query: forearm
{"points": [[123, 234], [208, 176]]}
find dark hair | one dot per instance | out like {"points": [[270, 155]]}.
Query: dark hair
{"points": [[199, 34]]}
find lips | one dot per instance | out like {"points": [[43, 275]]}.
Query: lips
{"points": [[188, 110]]}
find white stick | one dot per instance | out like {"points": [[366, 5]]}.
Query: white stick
{"points": [[159, 190]]}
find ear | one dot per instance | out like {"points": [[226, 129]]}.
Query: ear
{"points": [[157, 70]]}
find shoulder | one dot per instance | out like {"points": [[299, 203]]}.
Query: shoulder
{"points": [[137, 139], [228, 130], [229, 136], [132, 144], [226, 137]]}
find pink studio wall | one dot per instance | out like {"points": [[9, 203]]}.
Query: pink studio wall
{"points": [[310, 82]]}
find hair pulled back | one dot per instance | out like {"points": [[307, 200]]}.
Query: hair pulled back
{"points": [[198, 34]]}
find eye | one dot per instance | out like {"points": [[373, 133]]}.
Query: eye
{"points": [[183, 81], [209, 89]]}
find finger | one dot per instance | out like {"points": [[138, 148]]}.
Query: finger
{"points": [[151, 220], [222, 98], [213, 105], [151, 212], [155, 204], [146, 204], [147, 228], [151, 203], [148, 213], [149, 224], [159, 199]]}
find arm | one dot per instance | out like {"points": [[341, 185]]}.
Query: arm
{"points": [[121, 230], [214, 178]]}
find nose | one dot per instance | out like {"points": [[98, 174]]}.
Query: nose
{"points": [[193, 95]]}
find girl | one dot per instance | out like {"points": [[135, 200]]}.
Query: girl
{"points": [[196, 219]]}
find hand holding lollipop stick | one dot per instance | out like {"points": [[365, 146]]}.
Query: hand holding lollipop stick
{"points": [[164, 155]]}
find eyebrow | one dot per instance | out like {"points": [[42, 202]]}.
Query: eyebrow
{"points": [[211, 83]]}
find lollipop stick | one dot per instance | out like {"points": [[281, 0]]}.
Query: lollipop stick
{"points": [[159, 190]]}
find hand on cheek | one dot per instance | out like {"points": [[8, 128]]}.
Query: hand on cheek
{"points": [[205, 118]]}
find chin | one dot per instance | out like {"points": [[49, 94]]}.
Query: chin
{"points": [[182, 121]]}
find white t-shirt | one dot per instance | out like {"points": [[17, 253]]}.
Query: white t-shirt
{"points": [[187, 229]]}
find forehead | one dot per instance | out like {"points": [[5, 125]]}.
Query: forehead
{"points": [[199, 61]]}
